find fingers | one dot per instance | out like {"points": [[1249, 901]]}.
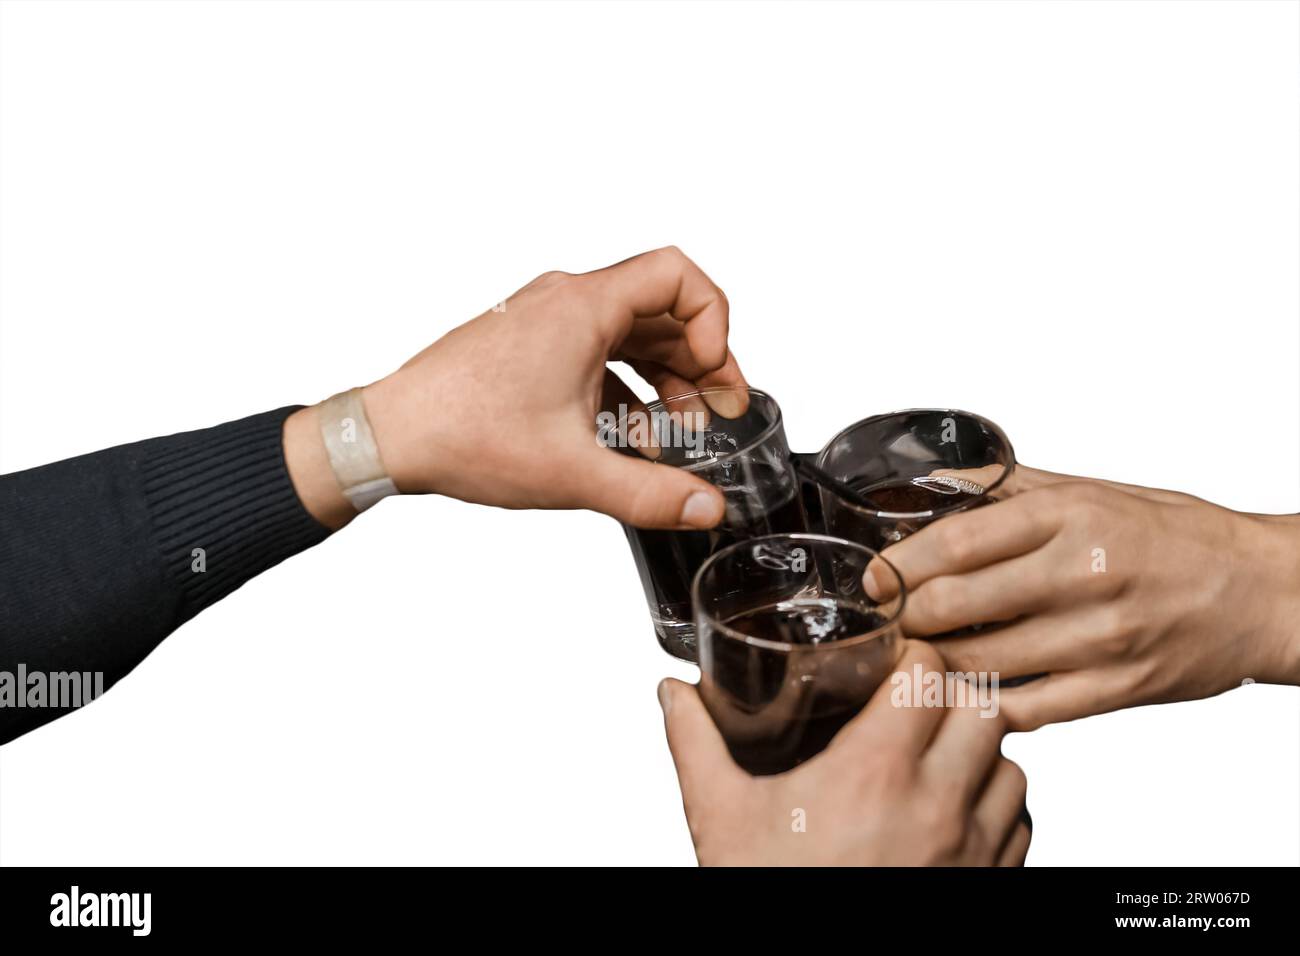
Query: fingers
{"points": [[615, 393], [668, 384], [967, 541], [999, 808], [1044, 643], [1068, 695], [1017, 848], [729, 404], [662, 339], [893, 717], [720, 393], [666, 281], [705, 769], [966, 746], [1001, 592], [657, 348], [645, 494]]}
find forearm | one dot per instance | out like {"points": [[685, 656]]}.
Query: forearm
{"points": [[106, 554]]}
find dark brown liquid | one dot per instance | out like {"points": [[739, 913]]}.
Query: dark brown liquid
{"points": [[777, 708], [898, 497], [904, 497], [668, 560]]}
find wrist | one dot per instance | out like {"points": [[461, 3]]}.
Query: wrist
{"points": [[391, 405], [309, 469], [1274, 600]]}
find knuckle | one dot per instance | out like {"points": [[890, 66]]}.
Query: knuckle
{"points": [[1144, 680], [947, 797], [1019, 782], [956, 657], [891, 771], [1022, 721], [654, 374], [923, 653], [1041, 506], [1038, 521], [944, 824], [552, 279], [1114, 634], [962, 710], [645, 508], [1097, 503], [562, 289], [1069, 495], [1083, 575], [1086, 491], [943, 599], [956, 544]]}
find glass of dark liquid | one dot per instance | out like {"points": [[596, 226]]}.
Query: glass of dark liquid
{"points": [[913, 467], [791, 645], [733, 438]]}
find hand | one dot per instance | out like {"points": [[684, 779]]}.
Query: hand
{"points": [[898, 786], [502, 410], [1122, 595]]}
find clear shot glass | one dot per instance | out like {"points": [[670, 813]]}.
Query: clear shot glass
{"points": [[791, 645], [733, 438], [915, 467]]}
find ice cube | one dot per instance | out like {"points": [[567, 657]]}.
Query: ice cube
{"points": [[719, 443]]}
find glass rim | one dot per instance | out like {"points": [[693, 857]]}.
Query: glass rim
{"points": [[764, 435], [992, 426], [766, 644]]}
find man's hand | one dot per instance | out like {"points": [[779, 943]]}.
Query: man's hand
{"points": [[502, 410], [898, 786], [1122, 595]]}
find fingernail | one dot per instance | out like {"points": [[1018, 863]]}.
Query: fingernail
{"points": [[665, 697], [870, 584], [700, 510], [728, 404]]}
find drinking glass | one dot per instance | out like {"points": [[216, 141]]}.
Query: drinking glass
{"points": [[733, 438], [790, 644], [915, 466]]}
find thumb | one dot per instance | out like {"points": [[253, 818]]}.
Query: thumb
{"points": [[705, 770], [645, 494]]}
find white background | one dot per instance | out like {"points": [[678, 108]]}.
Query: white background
{"points": [[1080, 220]]}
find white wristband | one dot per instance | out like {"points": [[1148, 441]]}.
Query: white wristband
{"points": [[353, 454]]}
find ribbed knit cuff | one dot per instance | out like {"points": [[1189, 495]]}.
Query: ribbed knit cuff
{"points": [[223, 506]]}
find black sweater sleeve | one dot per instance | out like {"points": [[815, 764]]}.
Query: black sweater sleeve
{"points": [[104, 555]]}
